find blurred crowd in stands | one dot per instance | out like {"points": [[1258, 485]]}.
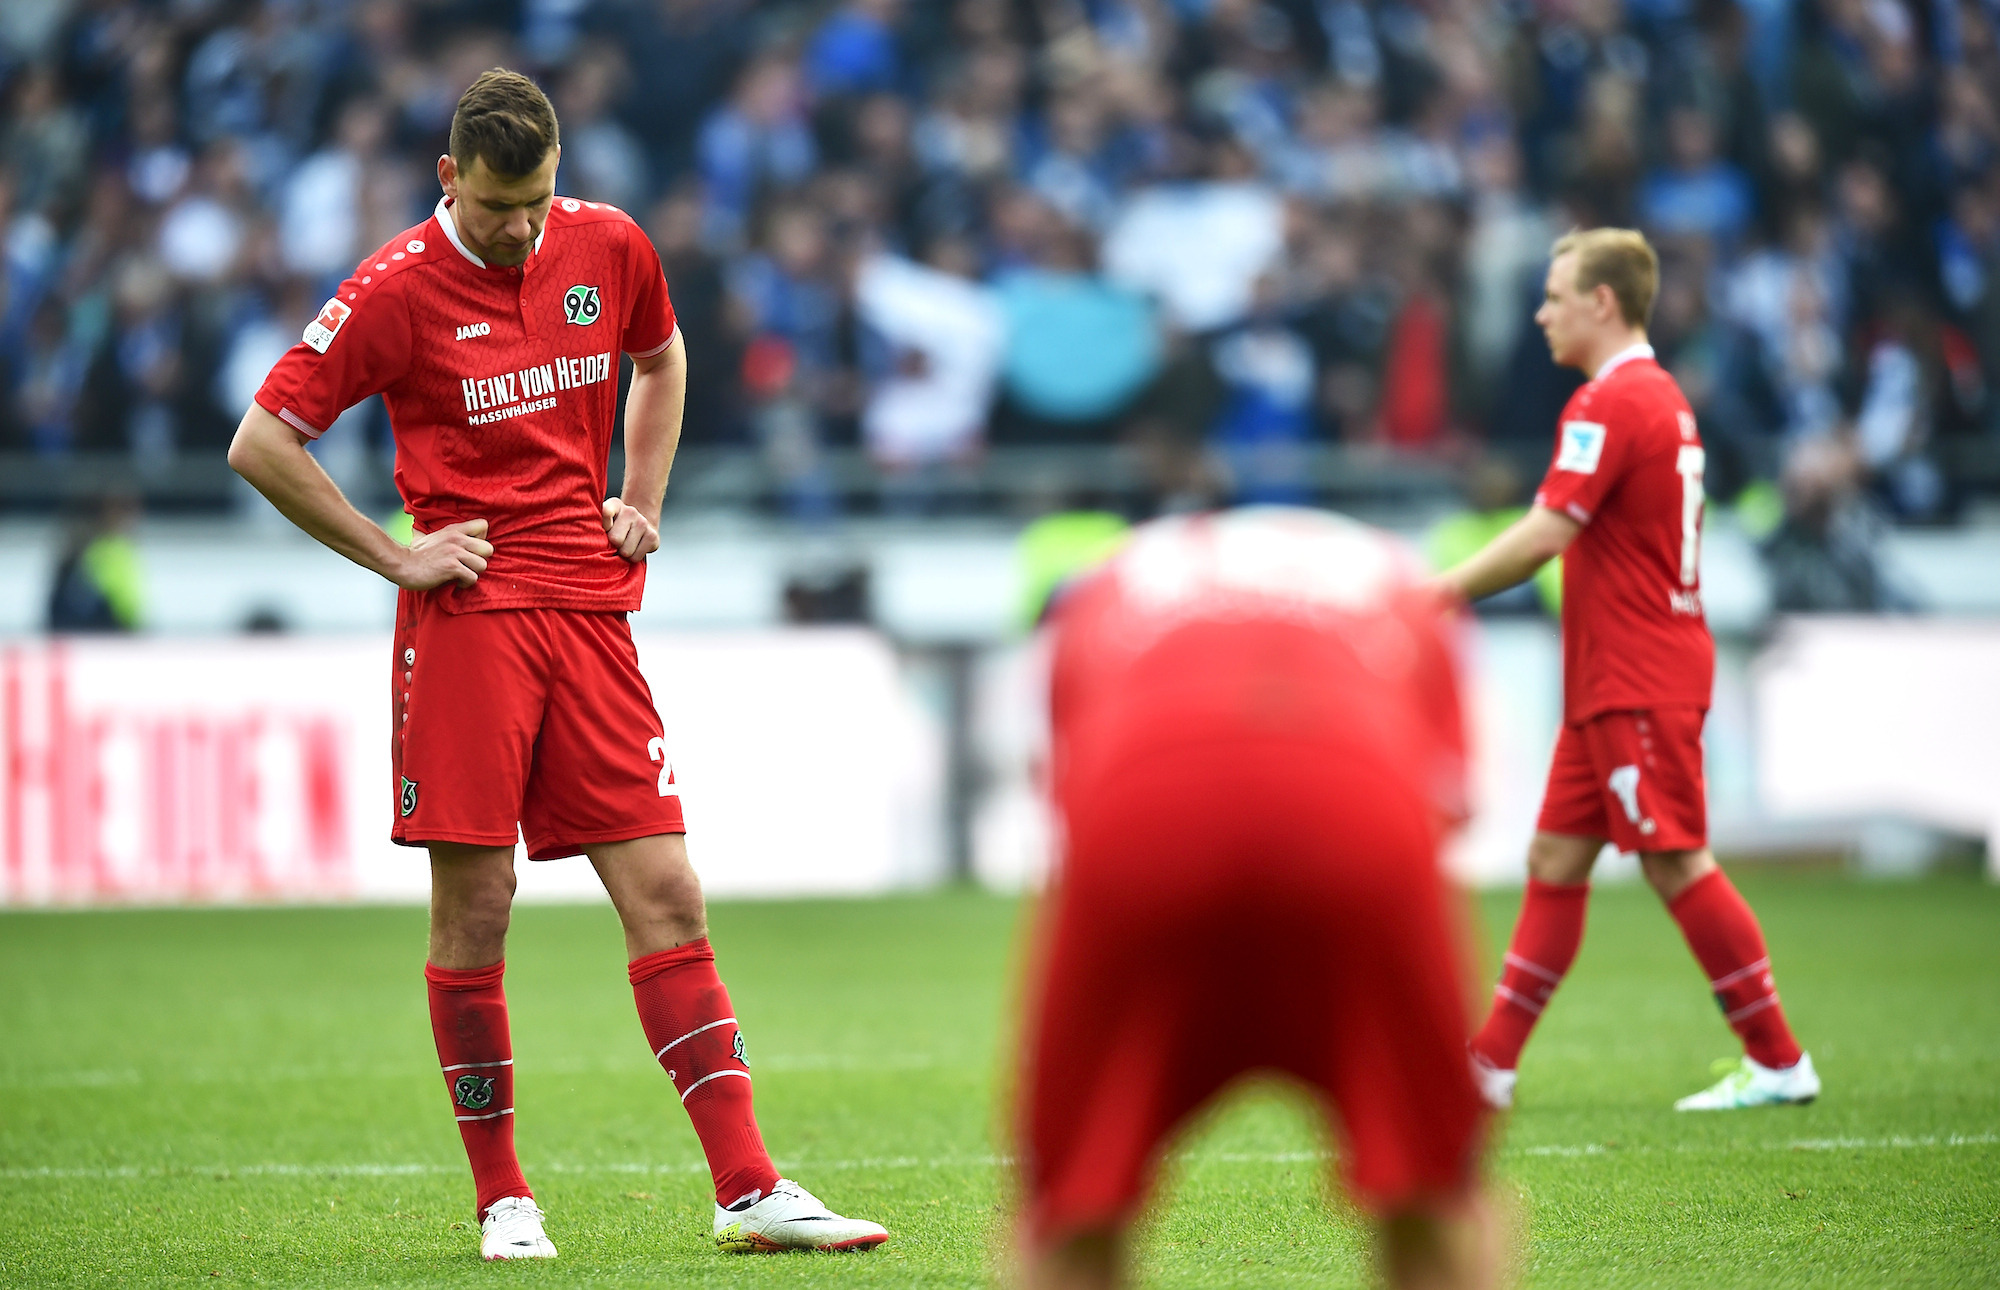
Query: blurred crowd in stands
{"points": [[1217, 231]]}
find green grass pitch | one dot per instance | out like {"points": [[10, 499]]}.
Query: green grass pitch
{"points": [[236, 1096]]}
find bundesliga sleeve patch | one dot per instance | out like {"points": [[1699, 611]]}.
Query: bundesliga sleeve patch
{"points": [[321, 330], [1582, 445]]}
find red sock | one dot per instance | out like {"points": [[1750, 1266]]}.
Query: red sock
{"points": [[1729, 945], [469, 1022], [1545, 944], [693, 1031]]}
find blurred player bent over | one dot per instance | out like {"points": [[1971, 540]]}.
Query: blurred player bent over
{"points": [[1256, 752]]}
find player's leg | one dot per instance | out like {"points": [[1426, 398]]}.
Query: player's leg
{"points": [[1448, 1245], [692, 1028], [1651, 763], [602, 785], [1549, 931], [1137, 1007], [1726, 939], [1386, 971], [1087, 1260], [472, 893], [467, 705]]}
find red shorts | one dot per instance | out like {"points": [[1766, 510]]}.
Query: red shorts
{"points": [[534, 720], [1632, 777], [1229, 908]]}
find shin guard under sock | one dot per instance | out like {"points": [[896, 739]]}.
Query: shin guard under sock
{"points": [[692, 1029], [1729, 945], [1545, 942], [469, 1022]]}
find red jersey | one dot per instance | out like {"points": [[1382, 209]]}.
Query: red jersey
{"points": [[1628, 467], [502, 387], [1267, 621]]}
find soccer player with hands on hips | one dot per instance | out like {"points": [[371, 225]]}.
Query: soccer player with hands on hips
{"points": [[1622, 504], [1256, 751], [493, 332]]}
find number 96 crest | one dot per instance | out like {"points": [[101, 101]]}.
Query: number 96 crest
{"points": [[580, 305]]}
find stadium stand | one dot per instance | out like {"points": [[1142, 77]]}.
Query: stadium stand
{"points": [[1301, 240]]}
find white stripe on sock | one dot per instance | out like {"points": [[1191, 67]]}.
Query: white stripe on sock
{"points": [[711, 1075], [1518, 1000], [462, 1119], [1533, 969], [1750, 1009], [692, 1033], [1723, 983], [470, 1066]]}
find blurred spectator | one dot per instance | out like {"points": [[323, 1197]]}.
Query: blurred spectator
{"points": [[1200, 247], [944, 332], [759, 138], [99, 582], [1823, 557], [1078, 348], [854, 50], [1696, 192], [320, 221], [43, 144], [711, 322], [602, 160], [1266, 419]]}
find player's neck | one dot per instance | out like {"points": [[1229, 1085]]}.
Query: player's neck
{"points": [[1612, 346]]}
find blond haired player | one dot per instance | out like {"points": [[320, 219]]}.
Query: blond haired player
{"points": [[1622, 504]]}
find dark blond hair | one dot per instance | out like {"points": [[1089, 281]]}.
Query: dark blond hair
{"points": [[1619, 258], [504, 118]]}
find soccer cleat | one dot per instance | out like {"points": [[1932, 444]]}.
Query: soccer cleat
{"points": [[1745, 1083], [512, 1229], [791, 1218], [1496, 1086]]}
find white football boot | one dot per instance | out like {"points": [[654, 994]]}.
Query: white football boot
{"points": [[512, 1229], [791, 1218], [1749, 1084], [1496, 1087]]}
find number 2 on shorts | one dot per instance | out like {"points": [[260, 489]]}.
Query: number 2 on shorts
{"points": [[656, 750]]}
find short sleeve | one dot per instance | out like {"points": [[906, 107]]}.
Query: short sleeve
{"points": [[649, 321], [357, 346], [1591, 456]]}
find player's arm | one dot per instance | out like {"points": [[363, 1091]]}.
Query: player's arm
{"points": [[1513, 557], [273, 457], [653, 409]]}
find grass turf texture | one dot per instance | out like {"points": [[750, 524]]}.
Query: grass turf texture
{"points": [[252, 1096]]}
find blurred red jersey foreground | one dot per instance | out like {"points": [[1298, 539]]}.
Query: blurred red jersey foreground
{"points": [[1257, 752]]}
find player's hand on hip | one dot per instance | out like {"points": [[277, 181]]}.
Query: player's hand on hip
{"points": [[455, 553], [629, 531]]}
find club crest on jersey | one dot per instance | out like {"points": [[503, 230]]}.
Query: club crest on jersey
{"points": [[1582, 445], [473, 1092], [406, 801], [580, 305], [321, 330], [736, 1049]]}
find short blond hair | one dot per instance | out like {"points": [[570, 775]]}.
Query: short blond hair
{"points": [[1619, 258]]}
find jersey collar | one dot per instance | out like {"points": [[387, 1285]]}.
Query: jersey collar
{"points": [[1622, 357], [450, 227]]}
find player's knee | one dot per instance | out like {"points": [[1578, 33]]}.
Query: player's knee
{"points": [[1672, 872], [1559, 858]]}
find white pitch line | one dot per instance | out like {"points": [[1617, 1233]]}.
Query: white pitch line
{"points": [[771, 1064], [223, 1172]]}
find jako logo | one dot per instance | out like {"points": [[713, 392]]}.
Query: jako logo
{"points": [[475, 329]]}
